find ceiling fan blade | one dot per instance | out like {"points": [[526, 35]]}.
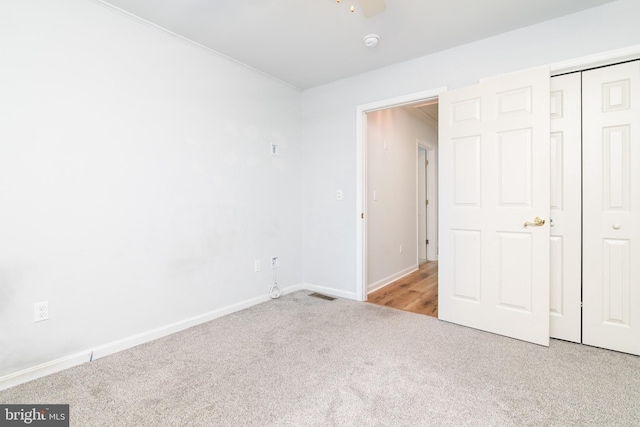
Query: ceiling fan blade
{"points": [[371, 7]]}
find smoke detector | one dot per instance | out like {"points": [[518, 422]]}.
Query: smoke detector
{"points": [[371, 40]]}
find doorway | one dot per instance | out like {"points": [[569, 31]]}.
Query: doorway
{"points": [[401, 204], [361, 169]]}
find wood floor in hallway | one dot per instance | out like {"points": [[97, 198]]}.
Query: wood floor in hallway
{"points": [[417, 292]]}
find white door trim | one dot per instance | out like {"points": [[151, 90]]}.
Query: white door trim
{"points": [[361, 170], [432, 196], [596, 60], [421, 196]]}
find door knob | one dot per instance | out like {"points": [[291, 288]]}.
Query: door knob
{"points": [[537, 221]]}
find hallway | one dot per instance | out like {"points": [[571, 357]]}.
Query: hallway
{"points": [[417, 292]]}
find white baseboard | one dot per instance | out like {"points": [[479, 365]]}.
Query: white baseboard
{"points": [[329, 291], [43, 370], [66, 362], [390, 279]]}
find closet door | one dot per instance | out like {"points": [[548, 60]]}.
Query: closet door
{"points": [[566, 208], [611, 207]]}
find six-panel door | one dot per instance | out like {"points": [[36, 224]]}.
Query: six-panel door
{"points": [[494, 177], [611, 207]]}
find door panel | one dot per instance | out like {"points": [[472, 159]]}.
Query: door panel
{"points": [[494, 176], [566, 208], [611, 197]]}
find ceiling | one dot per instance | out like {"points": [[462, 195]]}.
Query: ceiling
{"points": [[423, 110], [306, 43]]}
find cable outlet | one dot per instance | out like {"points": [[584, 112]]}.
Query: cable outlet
{"points": [[40, 311], [275, 262]]}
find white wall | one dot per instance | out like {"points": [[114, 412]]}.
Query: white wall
{"points": [[392, 136], [329, 117], [136, 184]]}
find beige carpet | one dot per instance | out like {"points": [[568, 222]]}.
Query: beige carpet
{"points": [[304, 361]]}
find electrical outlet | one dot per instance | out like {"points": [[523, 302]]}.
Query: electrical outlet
{"points": [[275, 150], [275, 262], [40, 311], [338, 194], [256, 265]]}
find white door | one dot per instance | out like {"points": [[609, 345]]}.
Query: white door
{"points": [[494, 177], [611, 198], [566, 208]]}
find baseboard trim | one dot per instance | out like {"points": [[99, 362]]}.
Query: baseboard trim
{"points": [[390, 279], [66, 362]]}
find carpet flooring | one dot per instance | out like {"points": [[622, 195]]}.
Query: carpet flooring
{"points": [[304, 361]]}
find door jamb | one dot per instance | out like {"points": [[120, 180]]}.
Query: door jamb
{"points": [[420, 200], [432, 195]]}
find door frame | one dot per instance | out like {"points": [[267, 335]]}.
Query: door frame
{"points": [[431, 191], [421, 207], [361, 171], [557, 68]]}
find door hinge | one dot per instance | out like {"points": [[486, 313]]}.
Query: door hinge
{"points": [[426, 202], [581, 304], [426, 162], [362, 215], [427, 241]]}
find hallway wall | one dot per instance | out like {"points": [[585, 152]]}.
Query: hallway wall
{"points": [[392, 231]]}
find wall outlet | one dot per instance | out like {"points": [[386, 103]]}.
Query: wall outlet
{"points": [[256, 265], [338, 194], [275, 150], [40, 311], [275, 262]]}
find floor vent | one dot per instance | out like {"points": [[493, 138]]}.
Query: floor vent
{"points": [[317, 295]]}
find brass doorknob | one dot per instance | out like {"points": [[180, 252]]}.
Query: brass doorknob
{"points": [[537, 221]]}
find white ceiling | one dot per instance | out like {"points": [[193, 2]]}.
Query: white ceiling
{"points": [[426, 111], [306, 43]]}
